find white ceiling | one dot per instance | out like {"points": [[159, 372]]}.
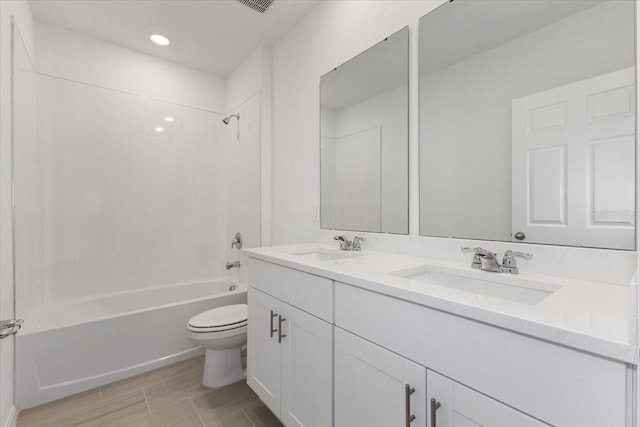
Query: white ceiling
{"points": [[211, 35]]}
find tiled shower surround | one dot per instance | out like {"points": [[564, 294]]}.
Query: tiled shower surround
{"points": [[130, 189]]}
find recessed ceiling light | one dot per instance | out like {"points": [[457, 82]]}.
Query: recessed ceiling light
{"points": [[160, 40], [168, 119], [159, 129]]}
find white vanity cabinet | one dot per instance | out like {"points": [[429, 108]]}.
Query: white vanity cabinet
{"points": [[375, 387], [324, 353], [552, 383], [290, 351]]}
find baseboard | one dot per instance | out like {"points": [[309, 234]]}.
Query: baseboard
{"points": [[12, 419]]}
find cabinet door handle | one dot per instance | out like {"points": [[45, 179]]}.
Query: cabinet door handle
{"points": [[408, 391], [273, 331], [280, 334], [434, 407]]}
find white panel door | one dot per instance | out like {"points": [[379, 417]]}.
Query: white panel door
{"points": [[307, 359], [573, 163], [460, 406], [263, 350], [375, 387]]}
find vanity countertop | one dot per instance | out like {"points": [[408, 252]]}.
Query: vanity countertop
{"points": [[595, 317]]}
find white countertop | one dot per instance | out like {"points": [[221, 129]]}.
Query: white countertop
{"points": [[591, 316]]}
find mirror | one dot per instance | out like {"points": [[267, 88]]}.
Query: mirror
{"points": [[527, 122], [364, 142]]}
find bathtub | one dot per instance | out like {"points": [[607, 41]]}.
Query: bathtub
{"points": [[72, 347]]}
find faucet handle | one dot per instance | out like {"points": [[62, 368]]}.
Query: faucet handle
{"points": [[509, 260], [477, 250], [355, 244], [509, 254], [237, 241], [340, 237]]}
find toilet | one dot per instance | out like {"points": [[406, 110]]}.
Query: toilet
{"points": [[222, 332]]}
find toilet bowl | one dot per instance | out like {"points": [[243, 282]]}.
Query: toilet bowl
{"points": [[222, 332]]}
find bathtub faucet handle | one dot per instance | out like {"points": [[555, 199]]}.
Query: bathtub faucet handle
{"points": [[237, 241]]}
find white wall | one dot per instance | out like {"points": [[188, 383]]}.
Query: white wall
{"points": [[332, 34], [466, 140], [84, 59], [22, 13], [253, 78], [125, 206]]}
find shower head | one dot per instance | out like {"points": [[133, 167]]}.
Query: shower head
{"points": [[228, 118]]}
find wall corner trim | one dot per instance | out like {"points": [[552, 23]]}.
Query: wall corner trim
{"points": [[12, 419]]}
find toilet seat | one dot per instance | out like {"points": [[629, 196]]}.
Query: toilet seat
{"points": [[220, 319]]}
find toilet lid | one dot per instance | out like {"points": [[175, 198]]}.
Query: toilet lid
{"points": [[221, 318]]}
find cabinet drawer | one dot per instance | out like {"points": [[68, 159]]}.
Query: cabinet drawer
{"points": [[313, 294], [555, 384]]}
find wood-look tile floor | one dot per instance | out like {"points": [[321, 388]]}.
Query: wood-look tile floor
{"points": [[172, 396]]}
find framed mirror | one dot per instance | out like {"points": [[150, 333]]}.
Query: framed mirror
{"points": [[527, 122], [364, 140]]}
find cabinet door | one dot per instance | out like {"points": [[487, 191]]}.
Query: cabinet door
{"points": [[307, 358], [375, 387], [263, 349], [461, 406]]}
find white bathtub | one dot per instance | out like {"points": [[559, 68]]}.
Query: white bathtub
{"points": [[73, 347]]}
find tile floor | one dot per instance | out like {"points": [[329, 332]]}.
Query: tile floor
{"points": [[170, 396]]}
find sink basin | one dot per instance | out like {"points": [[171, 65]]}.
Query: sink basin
{"points": [[523, 291], [324, 255]]}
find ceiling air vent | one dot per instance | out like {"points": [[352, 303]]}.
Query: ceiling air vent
{"points": [[257, 5]]}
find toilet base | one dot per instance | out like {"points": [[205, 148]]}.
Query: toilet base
{"points": [[222, 367]]}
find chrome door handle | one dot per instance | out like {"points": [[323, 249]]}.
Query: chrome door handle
{"points": [[408, 417], [273, 331], [280, 334], [10, 327], [434, 407]]}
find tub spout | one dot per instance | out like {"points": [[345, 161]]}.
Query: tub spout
{"points": [[230, 265]]}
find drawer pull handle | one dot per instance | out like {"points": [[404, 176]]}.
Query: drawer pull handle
{"points": [[273, 331], [408, 391], [280, 334], [434, 407]]}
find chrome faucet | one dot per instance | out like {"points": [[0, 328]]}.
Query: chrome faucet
{"points": [[349, 245], [489, 262], [486, 260], [345, 244], [234, 264]]}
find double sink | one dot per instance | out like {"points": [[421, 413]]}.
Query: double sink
{"points": [[481, 283]]}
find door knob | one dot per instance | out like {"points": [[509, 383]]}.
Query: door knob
{"points": [[520, 235]]}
